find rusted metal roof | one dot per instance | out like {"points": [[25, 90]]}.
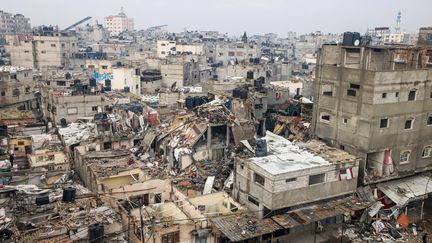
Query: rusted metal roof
{"points": [[243, 227], [319, 211]]}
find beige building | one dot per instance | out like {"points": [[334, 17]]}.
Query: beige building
{"points": [[290, 175], [376, 102], [167, 47], [16, 86], [48, 159], [38, 51], [116, 24]]}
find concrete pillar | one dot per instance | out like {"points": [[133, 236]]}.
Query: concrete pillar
{"points": [[209, 137]]}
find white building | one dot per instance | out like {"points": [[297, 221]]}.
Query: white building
{"points": [[126, 78], [118, 23]]}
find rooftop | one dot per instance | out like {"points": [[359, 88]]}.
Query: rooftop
{"points": [[284, 156], [12, 69]]}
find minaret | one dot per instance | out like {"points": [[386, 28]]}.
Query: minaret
{"points": [[398, 22]]}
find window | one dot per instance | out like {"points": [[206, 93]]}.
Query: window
{"points": [[316, 179], [20, 143], [328, 93], [162, 44], [3, 93], [384, 95], [172, 237], [397, 94], [158, 198], [427, 152], [344, 120], [259, 179], [409, 123], [404, 157], [351, 92], [412, 95], [430, 96], [53, 45], [94, 108], [27, 90], [162, 52], [429, 120], [15, 92], [253, 200], [354, 86], [325, 117], [72, 111], [43, 52], [290, 180], [384, 123]]}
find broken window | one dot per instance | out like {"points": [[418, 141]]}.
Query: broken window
{"points": [[344, 120], [404, 157], [15, 92], [158, 198], [409, 123], [327, 90], [253, 200], [384, 95], [354, 86], [94, 108], [412, 95], [397, 94], [429, 120], [325, 117], [259, 179], [172, 237], [384, 123], [51, 157], [351, 92], [427, 152], [2, 93], [316, 179], [290, 180], [107, 145]]}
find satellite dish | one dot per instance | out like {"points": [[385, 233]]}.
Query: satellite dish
{"points": [[357, 42]]}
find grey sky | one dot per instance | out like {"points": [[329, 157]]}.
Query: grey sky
{"points": [[234, 16]]}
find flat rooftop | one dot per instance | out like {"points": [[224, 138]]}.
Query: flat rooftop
{"points": [[12, 69], [284, 156]]}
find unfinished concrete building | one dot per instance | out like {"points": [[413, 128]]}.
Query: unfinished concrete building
{"points": [[376, 102], [16, 86], [289, 176]]}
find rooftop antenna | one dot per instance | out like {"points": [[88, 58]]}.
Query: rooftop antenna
{"points": [[398, 21]]}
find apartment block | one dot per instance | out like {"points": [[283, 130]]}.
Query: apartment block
{"points": [[376, 102], [116, 24], [16, 86]]}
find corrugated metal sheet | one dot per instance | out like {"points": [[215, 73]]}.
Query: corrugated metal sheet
{"points": [[243, 227], [320, 211], [405, 190]]}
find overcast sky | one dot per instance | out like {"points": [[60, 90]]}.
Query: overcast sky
{"points": [[234, 16]]}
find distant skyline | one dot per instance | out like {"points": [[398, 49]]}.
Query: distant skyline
{"points": [[234, 16]]}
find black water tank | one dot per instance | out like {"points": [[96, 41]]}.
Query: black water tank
{"points": [[228, 104], [198, 101], [92, 82], [42, 200], [63, 122], [356, 38], [205, 99], [243, 94], [250, 75], [236, 93], [348, 39], [77, 81], [189, 102], [96, 233], [261, 148], [126, 89], [108, 82], [257, 83], [107, 88], [78, 87], [69, 194], [68, 75]]}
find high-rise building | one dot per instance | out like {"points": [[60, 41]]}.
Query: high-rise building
{"points": [[376, 102], [14, 24], [118, 23]]}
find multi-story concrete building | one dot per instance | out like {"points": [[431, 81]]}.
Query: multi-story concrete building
{"points": [[376, 102], [119, 23], [14, 24], [290, 176], [39, 51], [16, 86], [224, 52], [167, 47]]}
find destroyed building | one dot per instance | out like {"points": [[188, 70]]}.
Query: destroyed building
{"points": [[17, 87]]}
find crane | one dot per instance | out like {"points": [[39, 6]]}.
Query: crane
{"points": [[77, 23]]}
